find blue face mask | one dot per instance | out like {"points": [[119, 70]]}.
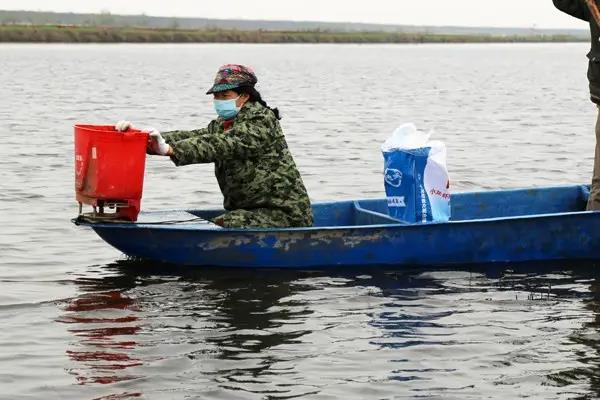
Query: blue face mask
{"points": [[226, 109]]}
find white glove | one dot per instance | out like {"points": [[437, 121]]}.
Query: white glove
{"points": [[157, 143], [122, 126]]}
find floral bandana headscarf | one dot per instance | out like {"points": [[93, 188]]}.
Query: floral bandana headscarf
{"points": [[231, 76]]}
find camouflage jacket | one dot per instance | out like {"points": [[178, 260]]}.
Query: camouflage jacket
{"points": [[253, 164]]}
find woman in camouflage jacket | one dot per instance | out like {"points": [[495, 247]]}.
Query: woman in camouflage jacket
{"points": [[261, 185]]}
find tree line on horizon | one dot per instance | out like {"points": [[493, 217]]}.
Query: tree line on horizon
{"points": [[81, 34], [106, 19]]}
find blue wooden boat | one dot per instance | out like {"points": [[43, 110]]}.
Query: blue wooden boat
{"points": [[543, 224]]}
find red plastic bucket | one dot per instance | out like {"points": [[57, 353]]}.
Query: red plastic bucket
{"points": [[109, 166]]}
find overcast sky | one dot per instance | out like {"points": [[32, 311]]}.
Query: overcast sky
{"points": [[501, 13]]}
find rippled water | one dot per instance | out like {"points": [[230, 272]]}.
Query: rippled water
{"points": [[78, 321]]}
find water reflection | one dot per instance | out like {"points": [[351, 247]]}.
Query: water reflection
{"points": [[100, 321], [588, 339], [352, 334], [592, 340], [205, 315]]}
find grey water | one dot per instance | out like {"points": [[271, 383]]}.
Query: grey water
{"points": [[79, 321]]}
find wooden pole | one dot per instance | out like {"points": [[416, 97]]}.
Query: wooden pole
{"points": [[594, 10]]}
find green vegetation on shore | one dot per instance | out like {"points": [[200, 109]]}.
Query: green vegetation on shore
{"points": [[87, 34]]}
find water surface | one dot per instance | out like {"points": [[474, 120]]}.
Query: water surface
{"points": [[79, 321]]}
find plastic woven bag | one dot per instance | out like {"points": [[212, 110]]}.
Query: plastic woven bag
{"points": [[416, 176]]}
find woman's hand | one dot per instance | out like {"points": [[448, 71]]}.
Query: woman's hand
{"points": [[122, 126], [157, 144]]}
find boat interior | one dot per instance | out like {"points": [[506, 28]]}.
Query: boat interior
{"points": [[465, 206]]}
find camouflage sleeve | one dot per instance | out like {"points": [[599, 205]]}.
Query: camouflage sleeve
{"points": [[172, 137], [245, 140]]}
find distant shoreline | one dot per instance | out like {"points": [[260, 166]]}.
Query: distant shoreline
{"points": [[92, 34]]}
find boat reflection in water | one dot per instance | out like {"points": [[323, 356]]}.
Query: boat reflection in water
{"points": [[180, 321], [587, 340], [165, 331], [105, 324]]}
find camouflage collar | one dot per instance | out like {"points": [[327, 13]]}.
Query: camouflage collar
{"points": [[250, 108]]}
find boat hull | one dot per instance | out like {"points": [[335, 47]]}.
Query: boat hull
{"points": [[541, 238], [510, 226]]}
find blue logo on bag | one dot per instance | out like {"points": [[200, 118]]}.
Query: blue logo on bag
{"points": [[393, 177]]}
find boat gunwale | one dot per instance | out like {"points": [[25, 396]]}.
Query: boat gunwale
{"points": [[176, 227]]}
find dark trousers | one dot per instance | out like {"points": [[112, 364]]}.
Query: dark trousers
{"points": [[594, 201]]}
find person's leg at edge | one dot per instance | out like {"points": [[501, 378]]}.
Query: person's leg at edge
{"points": [[594, 200]]}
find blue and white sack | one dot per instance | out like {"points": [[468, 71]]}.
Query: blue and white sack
{"points": [[416, 176]]}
